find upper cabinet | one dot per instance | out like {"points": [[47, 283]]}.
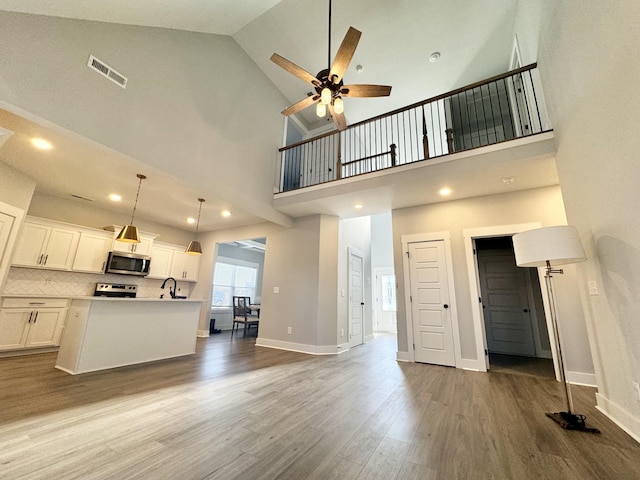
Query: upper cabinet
{"points": [[185, 266], [161, 258], [46, 246], [142, 248], [92, 252]]}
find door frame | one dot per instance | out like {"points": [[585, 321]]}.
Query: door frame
{"points": [[7, 253], [470, 234], [445, 236], [377, 271], [354, 251]]}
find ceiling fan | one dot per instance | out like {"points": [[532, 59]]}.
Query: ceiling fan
{"points": [[328, 83]]}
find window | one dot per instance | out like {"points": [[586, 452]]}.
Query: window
{"points": [[233, 278], [388, 293]]}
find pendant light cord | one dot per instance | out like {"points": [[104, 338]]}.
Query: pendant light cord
{"points": [[135, 204], [199, 211]]}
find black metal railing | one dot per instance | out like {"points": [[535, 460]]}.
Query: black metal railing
{"points": [[499, 109]]}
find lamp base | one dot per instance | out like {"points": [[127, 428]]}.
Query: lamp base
{"points": [[570, 421]]}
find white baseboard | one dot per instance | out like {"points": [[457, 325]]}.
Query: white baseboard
{"points": [[619, 416], [471, 364], [580, 378], [369, 338], [203, 333], [298, 347], [404, 356], [343, 347]]}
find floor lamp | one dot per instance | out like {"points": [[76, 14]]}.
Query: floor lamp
{"points": [[548, 247]]}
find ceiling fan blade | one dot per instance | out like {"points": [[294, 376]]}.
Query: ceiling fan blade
{"points": [[344, 55], [301, 105], [338, 118], [360, 90], [294, 69]]}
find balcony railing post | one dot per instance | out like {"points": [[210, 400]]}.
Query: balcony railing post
{"points": [[425, 136], [339, 158], [449, 132], [392, 151]]}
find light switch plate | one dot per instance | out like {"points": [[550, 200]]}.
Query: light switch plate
{"points": [[593, 287], [276, 289]]}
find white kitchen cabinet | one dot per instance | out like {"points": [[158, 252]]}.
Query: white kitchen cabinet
{"points": [[142, 248], [185, 266], [161, 260], [92, 252], [45, 246], [31, 322]]}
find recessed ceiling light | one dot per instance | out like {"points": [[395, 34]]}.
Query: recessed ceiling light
{"points": [[191, 220], [114, 197], [359, 68], [225, 213], [508, 180], [434, 57], [445, 191], [41, 144], [358, 206]]}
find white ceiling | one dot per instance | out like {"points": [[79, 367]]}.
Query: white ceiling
{"points": [[474, 38]]}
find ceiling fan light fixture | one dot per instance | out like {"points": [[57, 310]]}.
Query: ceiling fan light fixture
{"points": [[325, 96], [338, 105], [321, 109]]}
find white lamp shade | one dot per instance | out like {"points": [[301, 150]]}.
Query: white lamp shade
{"points": [[559, 245]]}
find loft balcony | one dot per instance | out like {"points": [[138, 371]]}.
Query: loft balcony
{"points": [[496, 127]]}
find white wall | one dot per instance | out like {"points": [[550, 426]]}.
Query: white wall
{"points": [[302, 262], [589, 59], [381, 241], [542, 205], [195, 107], [16, 188]]}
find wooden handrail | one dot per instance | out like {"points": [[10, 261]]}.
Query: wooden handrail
{"points": [[420, 103]]}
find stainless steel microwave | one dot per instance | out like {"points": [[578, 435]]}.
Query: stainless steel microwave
{"points": [[128, 264]]}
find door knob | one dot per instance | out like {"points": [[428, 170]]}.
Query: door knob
{"points": [[446, 306]]}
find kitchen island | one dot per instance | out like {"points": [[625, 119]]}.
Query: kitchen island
{"points": [[103, 332]]}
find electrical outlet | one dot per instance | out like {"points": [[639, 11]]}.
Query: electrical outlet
{"points": [[636, 386], [289, 330], [593, 287], [276, 289]]}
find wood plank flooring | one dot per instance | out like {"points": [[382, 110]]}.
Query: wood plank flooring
{"points": [[237, 411]]}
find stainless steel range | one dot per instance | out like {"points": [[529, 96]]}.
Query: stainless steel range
{"points": [[115, 290]]}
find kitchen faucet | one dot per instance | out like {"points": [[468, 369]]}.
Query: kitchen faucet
{"points": [[175, 286]]}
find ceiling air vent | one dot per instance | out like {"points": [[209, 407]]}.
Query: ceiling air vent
{"points": [[106, 71]]}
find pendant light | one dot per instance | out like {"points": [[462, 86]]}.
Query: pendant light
{"points": [[129, 233], [194, 247]]}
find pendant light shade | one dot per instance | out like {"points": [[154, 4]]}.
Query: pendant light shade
{"points": [[194, 247], [129, 233]]}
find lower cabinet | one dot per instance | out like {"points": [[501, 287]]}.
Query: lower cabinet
{"points": [[31, 322]]}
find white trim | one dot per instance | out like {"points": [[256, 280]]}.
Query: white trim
{"points": [[470, 234], [445, 236], [581, 378], [404, 356], [357, 253], [7, 254], [202, 333], [298, 347], [618, 415], [369, 338], [343, 347]]}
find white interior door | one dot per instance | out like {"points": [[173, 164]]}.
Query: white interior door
{"points": [[385, 295], [356, 298], [430, 312], [506, 310]]}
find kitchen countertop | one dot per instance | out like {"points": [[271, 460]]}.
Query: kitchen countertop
{"points": [[91, 297]]}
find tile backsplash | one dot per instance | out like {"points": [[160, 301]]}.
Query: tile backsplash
{"points": [[35, 281]]}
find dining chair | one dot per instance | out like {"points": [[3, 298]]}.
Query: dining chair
{"points": [[242, 314]]}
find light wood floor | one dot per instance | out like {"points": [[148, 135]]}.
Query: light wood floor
{"points": [[236, 411]]}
